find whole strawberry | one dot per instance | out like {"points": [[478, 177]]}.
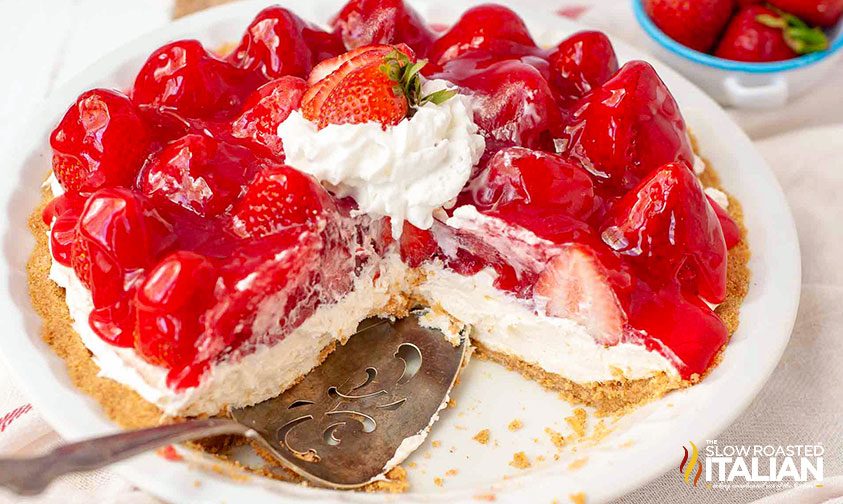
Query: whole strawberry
{"points": [[759, 34], [825, 13], [693, 23]]}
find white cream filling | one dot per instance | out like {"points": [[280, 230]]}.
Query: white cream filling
{"points": [[405, 172], [506, 324], [254, 377]]}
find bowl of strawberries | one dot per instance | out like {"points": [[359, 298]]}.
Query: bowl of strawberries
{"points": [[746, 53]]}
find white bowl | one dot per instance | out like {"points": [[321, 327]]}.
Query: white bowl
{"points": [[742, 84], [640, 447]]}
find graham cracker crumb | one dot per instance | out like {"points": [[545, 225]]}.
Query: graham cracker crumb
{"points": [[452, 403], [556, 438], [482, 437], [577, 498], [488, 497], [578, 464], [451, 472], [411, 465], [515, 425], [520, 461], [438, 481], [436, 444], [395, 482], [577, 421]]}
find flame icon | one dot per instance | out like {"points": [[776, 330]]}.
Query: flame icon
{"points": [[687, 466]]}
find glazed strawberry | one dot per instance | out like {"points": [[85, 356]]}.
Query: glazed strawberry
{"points": [[758, 34], [628, 127], [101, 141], [681, 327], [184, 78], [170, 303], [116, 238], [731, 231], [490, 28], [580, 63], [62, 215], [280, 197], [514, 105], [575, 285], [824, 13], [416, 245], [265, 109], [696, 24], [199, 173], [366, 22], [667, 227], [278, 43], [522, 178]]}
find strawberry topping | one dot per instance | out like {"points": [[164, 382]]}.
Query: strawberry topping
{"points": [[182, 219]]}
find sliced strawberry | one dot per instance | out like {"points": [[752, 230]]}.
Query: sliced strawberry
{"points": [[100, 142], [184, 77], [170, 303], [696, 24], [491, 28], [628, 127], [366, 95], [365, 22], [265, 109], [280, 197], [199, 173], [360, 67], [668, 228], [416, 245], [278, 42], [580, 63], [575, 285]]}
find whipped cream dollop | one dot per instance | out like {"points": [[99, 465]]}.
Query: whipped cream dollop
{"points": [[405, 172]]}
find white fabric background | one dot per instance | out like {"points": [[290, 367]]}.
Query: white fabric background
{"points": [[47, 41]]}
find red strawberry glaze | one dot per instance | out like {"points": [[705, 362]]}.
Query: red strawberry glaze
{"points": [[200, 223], [366, 22]]}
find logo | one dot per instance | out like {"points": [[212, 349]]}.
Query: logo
{"points": [[686, 467], [726, 466]]}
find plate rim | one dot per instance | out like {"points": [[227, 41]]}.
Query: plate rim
{"points": [[169, 488]]}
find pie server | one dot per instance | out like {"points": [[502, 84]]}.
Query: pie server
{"points": [[340, 427]]}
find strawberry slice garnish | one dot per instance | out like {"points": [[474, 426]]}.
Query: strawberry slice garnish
{"points": [[575, 285], [379, 83]]}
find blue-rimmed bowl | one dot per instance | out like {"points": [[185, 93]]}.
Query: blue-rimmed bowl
{"points": [[741, 84]]}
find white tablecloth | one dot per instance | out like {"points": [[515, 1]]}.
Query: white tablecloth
{"points": [[48, 41]]}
